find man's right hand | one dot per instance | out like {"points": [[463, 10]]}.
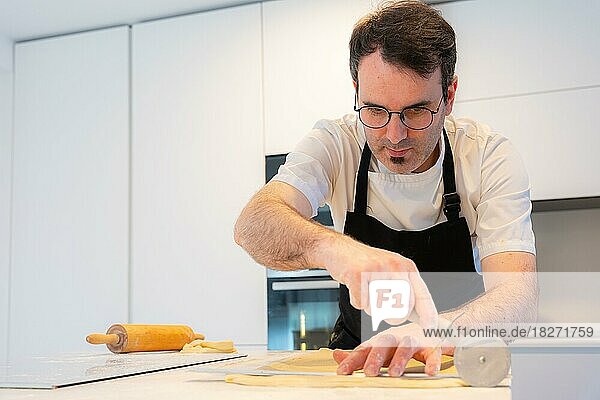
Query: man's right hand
{"points": [[276, 230], [351, 262]]}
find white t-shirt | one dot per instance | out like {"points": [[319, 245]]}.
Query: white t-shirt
{"points": [[490, 178]]}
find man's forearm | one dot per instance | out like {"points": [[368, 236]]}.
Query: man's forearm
{"points": [[277, 236], [511, 302]]}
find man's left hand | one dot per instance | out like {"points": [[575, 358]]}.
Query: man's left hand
{"points": [[393, 348]]}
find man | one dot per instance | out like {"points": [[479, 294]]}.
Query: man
{"points": [[413, 189]]}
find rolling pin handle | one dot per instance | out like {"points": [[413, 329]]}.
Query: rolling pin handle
{"points": [[99, 338], [198, 336]]}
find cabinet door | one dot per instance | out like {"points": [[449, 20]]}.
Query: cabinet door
{"points": [[556, 135], [514, 47], [69, 272], [197, 159], [306, 76], [527, 69]]}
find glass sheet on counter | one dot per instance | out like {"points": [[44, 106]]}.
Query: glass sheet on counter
{"points": [[60, 371]]}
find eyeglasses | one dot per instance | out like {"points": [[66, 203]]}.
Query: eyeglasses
{"points": [[415, 118]]}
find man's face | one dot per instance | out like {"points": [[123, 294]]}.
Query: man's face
{"points": [[401, 149]]}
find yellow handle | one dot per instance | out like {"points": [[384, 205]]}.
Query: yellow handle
{"points": [[100, 338], [198, 336]]}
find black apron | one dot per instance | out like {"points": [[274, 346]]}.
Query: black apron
{"points": [[443, 249]]}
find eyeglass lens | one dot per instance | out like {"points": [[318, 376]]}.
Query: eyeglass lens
{"points": [[413, 118]]}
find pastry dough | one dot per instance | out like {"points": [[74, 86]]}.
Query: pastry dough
{"points": [[322, 361], [201, 346], [336, 381]]}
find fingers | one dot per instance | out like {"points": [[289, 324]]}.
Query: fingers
{"points": [[424, 305], [382, 263], [340, 355], [365, 293], [409, 348], [354, 361], [388, 349], [433, 360], [448, 350], [404, 352], [369, 357], [381, 353], [354, 291]]}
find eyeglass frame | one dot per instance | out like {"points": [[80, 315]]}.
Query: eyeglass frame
{"points": [[400, 113]]}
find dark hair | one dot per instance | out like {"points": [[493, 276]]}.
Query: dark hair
{"points": [[408, 34]]}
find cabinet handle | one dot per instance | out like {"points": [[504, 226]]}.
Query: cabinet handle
{"points": [[302, 285]]}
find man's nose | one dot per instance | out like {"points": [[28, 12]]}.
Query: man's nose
{"points": [[396, 130]]}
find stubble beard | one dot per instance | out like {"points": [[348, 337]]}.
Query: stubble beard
{"points": [[403, 161]]}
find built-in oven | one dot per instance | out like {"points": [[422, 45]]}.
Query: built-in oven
{"points": [[302, 306]]}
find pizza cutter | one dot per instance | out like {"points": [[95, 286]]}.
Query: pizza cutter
{"points": [[482, 363]]}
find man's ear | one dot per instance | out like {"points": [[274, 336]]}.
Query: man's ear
{"points": [[355, 84], [451, 95]]}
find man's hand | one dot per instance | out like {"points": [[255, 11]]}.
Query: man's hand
{"points": [[351, 263], [393, 348], [276, 230]]}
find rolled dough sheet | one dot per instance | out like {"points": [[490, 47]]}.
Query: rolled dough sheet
{"points": [[336, 381], [322, 361]]}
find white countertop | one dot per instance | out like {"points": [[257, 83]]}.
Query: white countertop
{"points": [[191, 383]]}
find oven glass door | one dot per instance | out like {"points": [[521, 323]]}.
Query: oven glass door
{"points": [[301, 312]]}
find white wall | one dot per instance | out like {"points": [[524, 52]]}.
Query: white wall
{"points": [[6, 116]]}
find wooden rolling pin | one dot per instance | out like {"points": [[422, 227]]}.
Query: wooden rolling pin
{"points": [[126, 338]]}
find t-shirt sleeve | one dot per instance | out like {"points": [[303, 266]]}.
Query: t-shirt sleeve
{"points": [[313, 166], [504, 210]]}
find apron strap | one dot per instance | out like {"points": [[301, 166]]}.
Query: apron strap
{"points": [[362, 182], [451, 199]]}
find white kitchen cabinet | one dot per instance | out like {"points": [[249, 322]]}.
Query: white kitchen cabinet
{"points": [[514, 47], [306, 72], [555, 133], [6, 111], [69, 272], [6, 53], [528, 69], [197, 158]]}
